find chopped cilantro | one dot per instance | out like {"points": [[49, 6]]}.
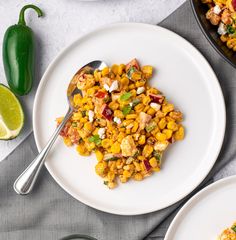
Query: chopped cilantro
{"points": [[126, 109], [96, 139], [74, 124], [135, 102], [230, 29], [130, 72], [157, 155], [234, 228], [125, 96], [151, 126], [105, 182], [83, 113]]}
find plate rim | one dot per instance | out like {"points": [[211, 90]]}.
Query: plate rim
{"points": [[197, 197], [96, 31]]}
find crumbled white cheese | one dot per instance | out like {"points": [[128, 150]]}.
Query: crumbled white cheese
{"points": [[114, 86], [222, 29], [217, 9], [101, 133], [140, 90], [155, 106], [106, 87], [131, 104], [91, 115], [117, 120]]}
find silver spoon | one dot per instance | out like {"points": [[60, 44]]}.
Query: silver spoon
{"points": [[25, 182]]}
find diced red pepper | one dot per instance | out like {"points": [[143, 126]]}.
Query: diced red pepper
{"points": [[106, 112], [234, 4], [132, 63], [100, 94], [156, 98], [147, 165]]}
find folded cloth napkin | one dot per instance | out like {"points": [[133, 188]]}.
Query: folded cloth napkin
{"points": [[50, 213]]}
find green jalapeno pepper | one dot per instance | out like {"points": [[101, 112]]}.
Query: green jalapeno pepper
{"points": [[18, 54]]}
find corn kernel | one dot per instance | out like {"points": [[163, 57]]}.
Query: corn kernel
{"points": [[135, 127], [106, 143], [147, 71], [137, 166], [121, 68], [115, 148], [161, 136], [131, 86], [141, 158], [123, 179], [88, 126], [167, 108], [101, 168], [146, 100], [105, 71], [172, 126], [68, 142], [82, 150], [111, 185], [179, 135], [110, 176], [162, 123], [139, 108], [127, 174], [131, 116], [142, 140], [138, 177], [124, 81], [147, 150], [99, 155], [153, 162], [113, 105], [136, 76], [139, 84], [118, 113], [168, 133], [151, 111], [114, 69]]}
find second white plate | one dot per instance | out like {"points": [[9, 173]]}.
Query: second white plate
{"points": [[186, 79], [207, 214]]}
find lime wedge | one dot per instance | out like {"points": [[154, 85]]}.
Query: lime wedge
{"points": [[11, 114]]}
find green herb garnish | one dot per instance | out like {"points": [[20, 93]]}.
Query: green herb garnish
{"points": [[105, 182], [96, 139], [151, 126], [125, 96], [230, 29], [136, 154], [83, 113], [157, 155], [131, 71], [126, 110], [135, 102], [234, 228], [74, 124]]}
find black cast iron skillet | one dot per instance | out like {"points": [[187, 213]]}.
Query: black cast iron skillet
{"points": [[210, 32]]}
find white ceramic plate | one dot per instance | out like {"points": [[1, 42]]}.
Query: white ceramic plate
{"points": [[207, 214], [185, 78]]}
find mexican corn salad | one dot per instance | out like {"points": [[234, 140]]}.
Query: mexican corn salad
{"points": [[229, 233], [126, 122], [222, 13]]}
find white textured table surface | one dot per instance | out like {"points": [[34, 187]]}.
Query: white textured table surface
{"points": [[66, 20]]}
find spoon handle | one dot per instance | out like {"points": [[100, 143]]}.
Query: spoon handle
{"points": [[25, 182]]}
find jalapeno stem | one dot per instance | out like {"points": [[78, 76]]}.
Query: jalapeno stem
{"points": [[22, 13]]}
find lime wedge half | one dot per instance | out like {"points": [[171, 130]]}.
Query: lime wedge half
{"points": [[11, 114]]}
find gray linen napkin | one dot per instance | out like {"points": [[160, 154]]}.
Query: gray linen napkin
{"points": [[50, 213]]}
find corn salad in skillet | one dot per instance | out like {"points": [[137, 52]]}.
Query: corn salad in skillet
{"points": [[126, 122], [222, 13]]}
